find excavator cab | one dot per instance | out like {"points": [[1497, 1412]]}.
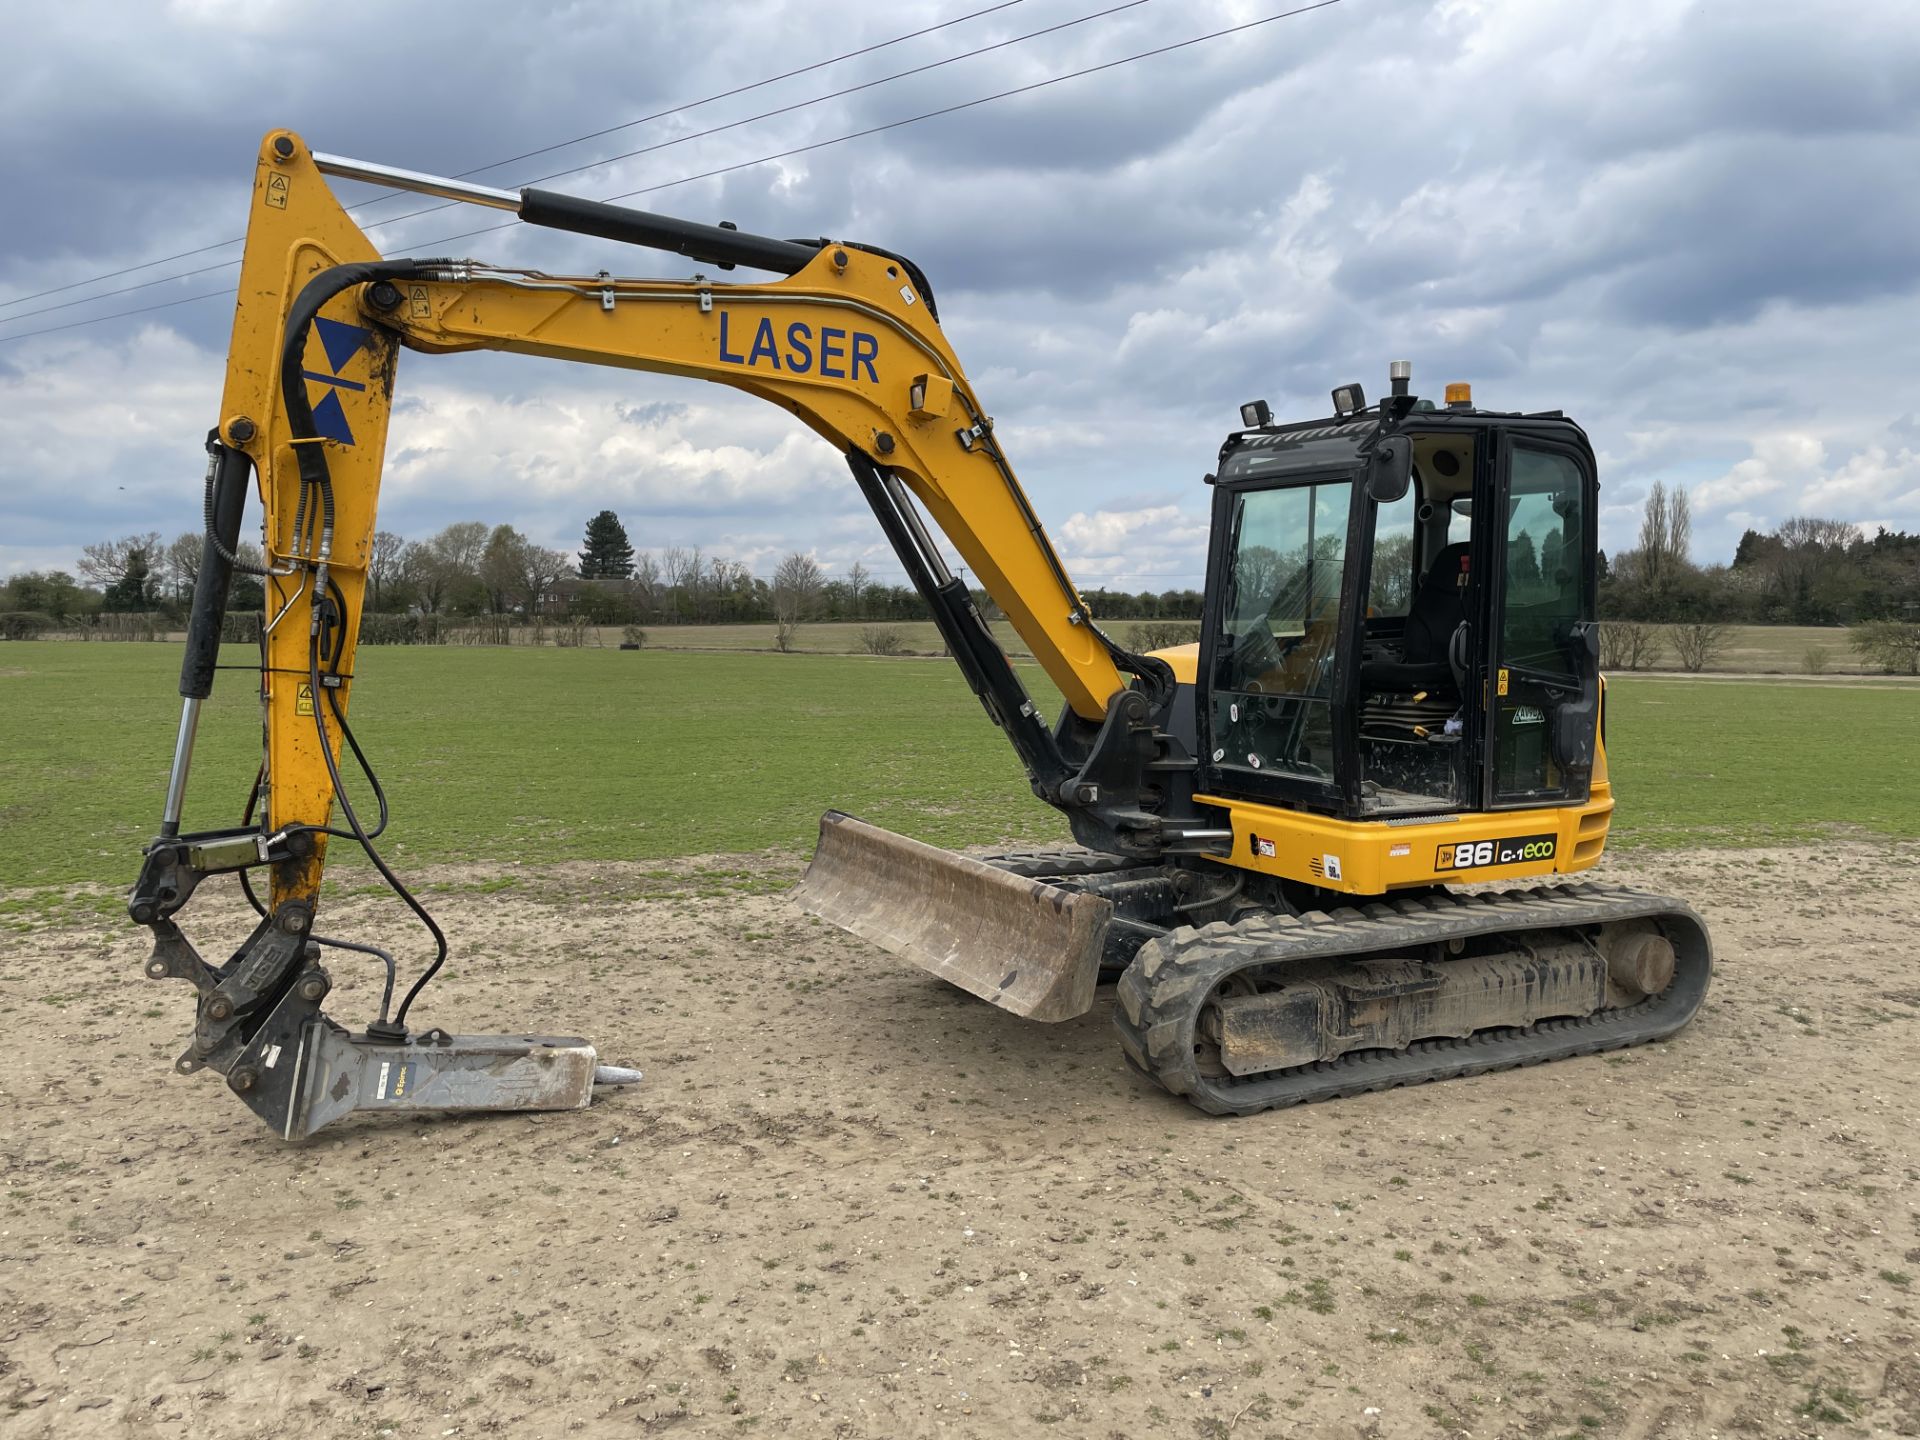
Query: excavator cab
{"points": [[1400, 614]]}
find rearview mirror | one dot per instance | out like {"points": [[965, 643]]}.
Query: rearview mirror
{"points": [[1390, 469]]}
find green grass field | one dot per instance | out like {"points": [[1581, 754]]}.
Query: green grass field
{"points": [[1704, 762], [917, 637], [538, 755], [1753, 649]]}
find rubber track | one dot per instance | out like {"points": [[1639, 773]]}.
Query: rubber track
{"points": [[1163, 992]]}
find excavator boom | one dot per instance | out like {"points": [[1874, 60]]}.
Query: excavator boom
{"points": [[846, 337]]}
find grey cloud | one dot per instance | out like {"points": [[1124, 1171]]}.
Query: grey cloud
{"points": [[1686, 224], [1806, 221], [1785, 70]]}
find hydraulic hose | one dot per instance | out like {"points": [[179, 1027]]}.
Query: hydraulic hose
{"points": [[366, 841]]}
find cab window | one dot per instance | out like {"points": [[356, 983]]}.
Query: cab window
{"points": [[1543, 571], [1390, 586]]}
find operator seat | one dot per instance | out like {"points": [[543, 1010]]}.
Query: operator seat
{"points": [[1439, 608]]}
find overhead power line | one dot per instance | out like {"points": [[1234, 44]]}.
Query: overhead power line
{"points": [[611, 159], [796, 105], [528, 154], [781, 154], [913, 119], [738, 90]]}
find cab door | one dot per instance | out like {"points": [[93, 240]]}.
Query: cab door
{"points": [[1543, 680], [1275, 717]]}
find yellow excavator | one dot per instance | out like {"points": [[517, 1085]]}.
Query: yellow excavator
{"points": [[1396, 693]]}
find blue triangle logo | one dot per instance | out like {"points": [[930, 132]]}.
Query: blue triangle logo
{"points": [[341, 342], [329, 419]]}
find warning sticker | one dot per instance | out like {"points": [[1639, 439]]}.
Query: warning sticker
{"points": [[421, 307], [277, 189], [303, 699], [1503, 681]]}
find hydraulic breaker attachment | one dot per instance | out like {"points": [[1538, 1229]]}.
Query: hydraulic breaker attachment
{"points": [[258, 1022], [327, 1073], [299, 1071], [1029, 947]]}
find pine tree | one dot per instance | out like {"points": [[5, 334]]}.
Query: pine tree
{"points": [[608, 556], [133, 591]]}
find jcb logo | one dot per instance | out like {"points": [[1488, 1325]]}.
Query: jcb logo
{"points": [[1472, 854]]}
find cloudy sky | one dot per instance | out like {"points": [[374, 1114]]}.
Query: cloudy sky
{"points": [[1695, 227]]}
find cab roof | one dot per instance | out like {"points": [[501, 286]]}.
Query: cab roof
{"points": [[1335, 442]]}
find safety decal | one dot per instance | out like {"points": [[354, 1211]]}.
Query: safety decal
{"points": [[303, 699], [277, 191], [339, 342], [1263, 848]]}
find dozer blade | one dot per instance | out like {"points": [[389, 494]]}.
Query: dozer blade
{"points": [[1028, 947]]}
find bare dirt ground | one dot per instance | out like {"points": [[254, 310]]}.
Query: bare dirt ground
{"points": [[850, 1202]]}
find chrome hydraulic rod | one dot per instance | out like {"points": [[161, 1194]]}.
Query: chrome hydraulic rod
{"points": [[929, 550], [416, 181], [182, 762]]}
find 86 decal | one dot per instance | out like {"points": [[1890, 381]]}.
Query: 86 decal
{"points": [[1513, 850]]}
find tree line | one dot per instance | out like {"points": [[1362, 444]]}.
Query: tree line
{"points": [[1806, 571], [469, 570]]}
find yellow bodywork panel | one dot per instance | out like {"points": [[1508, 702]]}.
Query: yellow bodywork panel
{"points": [[1372, 857], [1183, 660]]}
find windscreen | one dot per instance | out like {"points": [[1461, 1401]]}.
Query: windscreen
{"points": [[1272, 686]]}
